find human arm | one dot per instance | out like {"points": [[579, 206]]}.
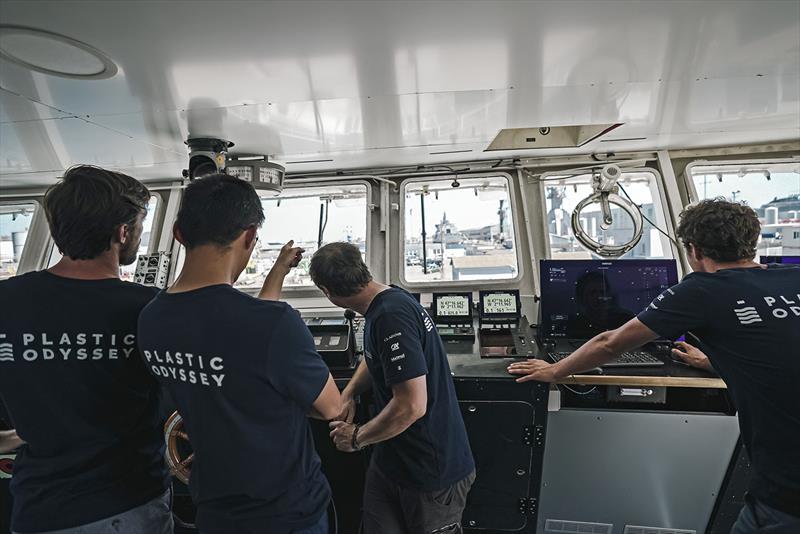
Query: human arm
{"points": [[296, 370], [601, 349], [9, 440], [692, 355], [399, 350], [329, 402], [677, 310], [360, 383], [288, 258], [408, 404]]}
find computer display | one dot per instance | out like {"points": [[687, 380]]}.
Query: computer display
{"points": [[503, 303], [795, 260], [449, 307], [581, 298]]}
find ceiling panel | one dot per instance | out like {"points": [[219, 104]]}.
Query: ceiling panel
{"points": [[366, 82]]}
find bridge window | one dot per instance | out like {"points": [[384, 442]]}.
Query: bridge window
{"points": [[15, 221], [309, 215], [459, 233], [563, 193], [126, 272], [772, 189]]}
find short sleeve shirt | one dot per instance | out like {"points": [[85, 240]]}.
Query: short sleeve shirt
{"points": [[748, 321], [401, 343], [79, 395], [243, 373]]}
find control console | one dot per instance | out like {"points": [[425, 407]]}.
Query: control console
{"points": [[452, 314]]}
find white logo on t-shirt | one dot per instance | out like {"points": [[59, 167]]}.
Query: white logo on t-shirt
{"points": [[6, 350], [747, 315]]}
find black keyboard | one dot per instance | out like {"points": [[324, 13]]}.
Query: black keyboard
{"points": [[626, 359]]}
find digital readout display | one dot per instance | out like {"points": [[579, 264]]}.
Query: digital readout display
{"points": [[452, 306], [499, 303]]}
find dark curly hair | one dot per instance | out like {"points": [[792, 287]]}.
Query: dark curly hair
{"points": [[339, 268], [87, 205], [721, 230]]}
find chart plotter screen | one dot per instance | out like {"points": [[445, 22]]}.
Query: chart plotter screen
{"points": [[581, 298], [452, 305], [500, 304]]}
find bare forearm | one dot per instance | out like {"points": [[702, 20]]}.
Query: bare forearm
{"points": [[9, 440], [604, 347], [360, 383], [393, 420], [273, 284]]}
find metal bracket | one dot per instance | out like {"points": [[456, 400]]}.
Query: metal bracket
{"points": [[527, 505], [606, 193]]}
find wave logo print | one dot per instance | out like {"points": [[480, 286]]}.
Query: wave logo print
{"points": [[6, 350], [747, 314]]}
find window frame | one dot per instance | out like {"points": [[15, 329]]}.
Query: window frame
{"points": [[300, 291], [688, 175], [312, 290], [34, 240], [662, 196], [489, 282]]}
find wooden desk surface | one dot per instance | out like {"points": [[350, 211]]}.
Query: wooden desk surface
{"points": [[653, 381]]}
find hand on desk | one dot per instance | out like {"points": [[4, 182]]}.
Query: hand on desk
{"points": [[692, 355], [538, 370]]}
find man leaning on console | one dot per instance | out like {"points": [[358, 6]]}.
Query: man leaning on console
{"points": [[244, 374]]}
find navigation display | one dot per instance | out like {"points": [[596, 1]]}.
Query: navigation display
{"points": [[453, 305], [500, 303], [581, 298], [781, 259]]}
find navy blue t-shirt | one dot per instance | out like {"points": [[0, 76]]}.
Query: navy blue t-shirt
{"points": [[748, 321], [401, 343], [243, 373], [78, 393]]}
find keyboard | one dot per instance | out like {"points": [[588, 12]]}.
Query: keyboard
{"points": [[626, 359]]}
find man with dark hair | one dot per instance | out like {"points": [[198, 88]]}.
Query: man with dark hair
{"points": [[422, 466], [243, 372], [72, 379], [747, 317]]}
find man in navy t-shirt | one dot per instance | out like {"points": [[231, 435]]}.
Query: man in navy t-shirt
{"points": [[422, 466], [243, 372], [747, 319], [71, 376]]}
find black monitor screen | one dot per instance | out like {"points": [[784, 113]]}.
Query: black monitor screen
{"points": [[795, 260], [452, 306], [581, 298]]}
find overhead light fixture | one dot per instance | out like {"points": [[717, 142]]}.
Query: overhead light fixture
{"points": [[549, 136], [54, 54]]}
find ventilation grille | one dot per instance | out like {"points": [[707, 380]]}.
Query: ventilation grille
{"points": [[577, 527], [632, 529]]}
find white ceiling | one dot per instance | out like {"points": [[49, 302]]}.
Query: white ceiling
{"points": [[390, 82]]}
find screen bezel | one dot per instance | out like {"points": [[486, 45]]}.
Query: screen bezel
{"points": [[544, 264], [485, 315], [451, 318]]}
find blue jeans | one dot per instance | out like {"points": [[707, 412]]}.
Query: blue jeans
{"points": [[758, 517], [320, 528], [152, 517]]}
